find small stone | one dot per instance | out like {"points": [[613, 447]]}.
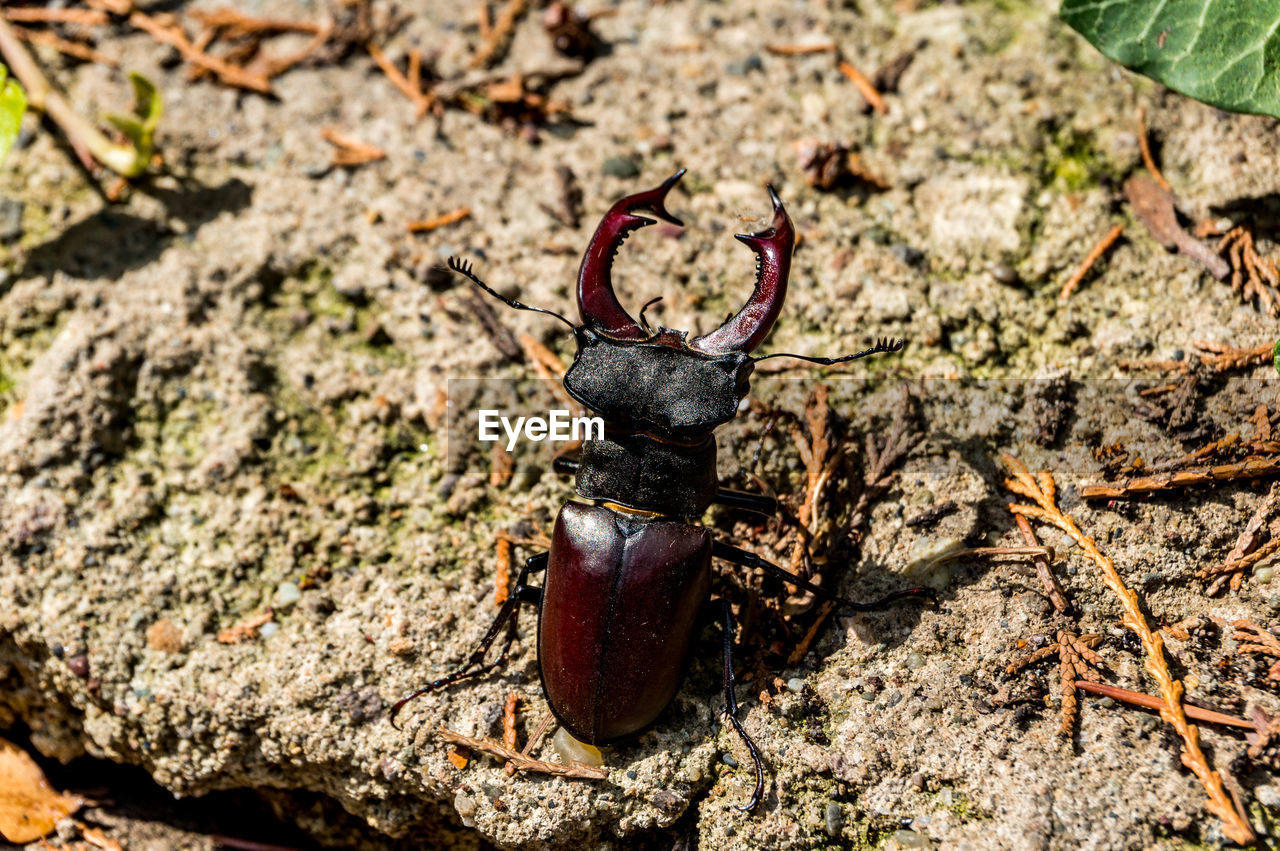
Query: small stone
{"points": [[1264, 574], [361, 705], [728, 760], [908, 839], [11, 219], [164, 636], [622, 167], [908, 254], [915, 661], [1268, 795], [287, 594], [466, 807], [669, 802], [834, 819], [1274, 602], [268, 629], [1107, 703], [917, 782], [1004, 273], [79, 665], [795, 684]]}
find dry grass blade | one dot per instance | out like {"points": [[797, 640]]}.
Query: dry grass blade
{"points": [[522, 762], [29, 806], [1042, 491]]}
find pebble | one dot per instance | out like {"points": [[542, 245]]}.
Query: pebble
{"points": [[908, 254], [1004, 273], [1264, 574], [622, 167], [728, 760], [466, 808], [79, 665], [917, 782], [287, 594], [10, 219], [268, 629], [908, 839], [795, 684], [915, 661], [834, 819]]}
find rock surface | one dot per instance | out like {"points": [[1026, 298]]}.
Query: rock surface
{"points": [[233, 532]]}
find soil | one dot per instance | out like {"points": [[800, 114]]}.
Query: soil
{"points": [[223, 403]]}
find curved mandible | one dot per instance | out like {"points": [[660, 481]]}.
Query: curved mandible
{"points": [[597, 302], [750, 325]]}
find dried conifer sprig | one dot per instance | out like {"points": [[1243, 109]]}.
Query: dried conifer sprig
{"points": [[1252, 275], [1076, 661], [1042, 491], [522, 762], [1256, 640]]}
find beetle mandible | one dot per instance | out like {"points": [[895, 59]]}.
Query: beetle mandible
{"points": [[628, 575]]}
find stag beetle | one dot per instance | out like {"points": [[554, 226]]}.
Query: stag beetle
{"points": [[629, 571]]}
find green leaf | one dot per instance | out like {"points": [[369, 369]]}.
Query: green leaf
{"points": [[1275, 355], [1223, 52], [140, 128], [13, 102]]}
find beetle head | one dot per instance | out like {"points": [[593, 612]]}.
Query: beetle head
{"points": [[662, 381]]}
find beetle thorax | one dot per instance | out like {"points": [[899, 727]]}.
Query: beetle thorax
{"points": [[660, 385]]}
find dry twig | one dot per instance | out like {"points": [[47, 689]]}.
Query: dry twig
{"points": [[509, 727], [1252, 275], [1249, 468], [350, 152], [1245, 553], [523, 763], [495, 45], [71, 48], [1150, 701], [246, 631], [864, 87], [1093, 256], [1042, 491], [177, 39], [1043, 569], [442, 220], [1145, 145], [800, 49], [411, 88]]}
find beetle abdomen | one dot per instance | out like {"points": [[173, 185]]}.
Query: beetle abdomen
{"points": [[619, 607]]}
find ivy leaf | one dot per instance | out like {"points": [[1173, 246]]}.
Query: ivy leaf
{"points": [[140, 128], [13, 102], [1222, 52], [1275, 355]]}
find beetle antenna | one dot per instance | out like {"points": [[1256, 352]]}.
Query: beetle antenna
{"points": [[648, 304], [462, 267], [882, 345]]}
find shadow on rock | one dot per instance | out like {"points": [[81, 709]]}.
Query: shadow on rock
{"points": [[110, 242]]}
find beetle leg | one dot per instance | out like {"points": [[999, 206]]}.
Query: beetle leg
{"points": [[731, 705], [508, 615], [566, 466], [728, 552], [757, 502]]}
